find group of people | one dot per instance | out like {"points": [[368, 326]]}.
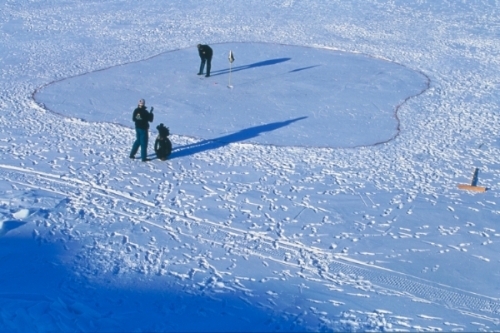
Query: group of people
{"points": [[142, 117]]}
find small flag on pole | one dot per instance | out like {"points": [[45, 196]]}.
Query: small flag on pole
{"points": [[231, 59]]}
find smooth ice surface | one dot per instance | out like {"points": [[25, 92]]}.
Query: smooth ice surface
{"points": [[279, 93]]}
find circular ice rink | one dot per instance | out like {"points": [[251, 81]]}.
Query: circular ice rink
{"points": [[281, 95]]}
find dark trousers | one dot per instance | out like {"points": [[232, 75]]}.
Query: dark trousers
{"points": [[141, 140], [202, 65]]}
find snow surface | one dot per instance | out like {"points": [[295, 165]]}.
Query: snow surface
{"points": [[318, 194]]}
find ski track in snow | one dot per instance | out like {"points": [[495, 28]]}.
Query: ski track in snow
{"points": [[180, 223], [372, 238]]}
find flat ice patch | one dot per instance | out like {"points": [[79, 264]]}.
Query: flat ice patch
{"points": [[282, 95]]}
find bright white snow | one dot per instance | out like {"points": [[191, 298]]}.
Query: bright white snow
{"points": [[318, 194]]}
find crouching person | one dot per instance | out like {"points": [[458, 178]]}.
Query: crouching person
{"points": [[163, 146]]}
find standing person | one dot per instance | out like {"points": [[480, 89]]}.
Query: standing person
{"points": [[205, 53], [141, 118]]}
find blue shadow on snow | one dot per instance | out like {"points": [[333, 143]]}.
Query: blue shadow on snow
{"points": [[7, 226], [254, 65], [303, 68], [38, 292], [242, 135]]}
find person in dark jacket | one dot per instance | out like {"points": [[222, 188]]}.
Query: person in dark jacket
{"points": [[205, 53], [163, 145], [141, 117]]}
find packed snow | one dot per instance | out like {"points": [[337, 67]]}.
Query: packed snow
{"points": [[313, 184]]}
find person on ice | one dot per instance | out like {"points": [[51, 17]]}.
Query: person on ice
{"points": [[163, 145], [141, 117], [205, 53]]}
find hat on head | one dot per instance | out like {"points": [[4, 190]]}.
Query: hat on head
{"points": [[142, 101], [163, 131]]}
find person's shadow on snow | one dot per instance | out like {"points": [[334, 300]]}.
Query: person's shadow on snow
{"points": [[242, 135], [257, 64]]}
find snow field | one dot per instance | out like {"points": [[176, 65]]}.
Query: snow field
{"points": [[244, 235]]}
